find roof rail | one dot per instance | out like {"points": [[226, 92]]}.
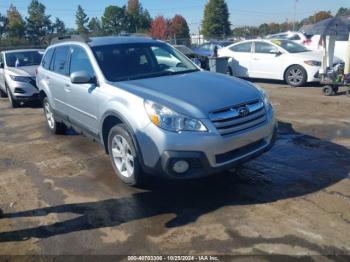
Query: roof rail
{"points": [[66, 38]]}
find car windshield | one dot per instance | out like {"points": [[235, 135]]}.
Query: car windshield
{"points": [[290, 46], [121, 62], [23, 58]]}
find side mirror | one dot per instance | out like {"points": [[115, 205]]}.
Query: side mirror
{"points": [[82, 77], [2, 65]]}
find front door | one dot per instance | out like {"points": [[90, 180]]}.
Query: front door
{"points": [[266, 61], [81, 98]]}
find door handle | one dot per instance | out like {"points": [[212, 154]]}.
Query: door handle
{"points": [[67, 87]]}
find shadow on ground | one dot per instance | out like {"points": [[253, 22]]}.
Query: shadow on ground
{"points": [[298, 165]]}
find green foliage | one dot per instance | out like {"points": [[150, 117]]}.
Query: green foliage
{"points": [[15, 23], [139, 18], [114, 20], [95, 28], [38, 23], [343, 12], [3, 25], [216, 19], [81, 21], [59, 27]]}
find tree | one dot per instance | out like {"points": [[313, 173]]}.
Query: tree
{"points": [[59, 27], [95, 27], [343, 11], [38, 23], [321, 16], [15, 23], [139, 18], [179, 30], [81, 20], [160, 28], [3, 25], [216, 19], [264, 29], [114, 20]]}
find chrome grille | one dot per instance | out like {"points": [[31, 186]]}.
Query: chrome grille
{"points": [[239, 117]]}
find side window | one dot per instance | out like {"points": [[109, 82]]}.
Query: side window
{"points": [[242, 48], [265, 48], [1, 58], [294, 37], [60, 63], [80, 61], [47, 58]]}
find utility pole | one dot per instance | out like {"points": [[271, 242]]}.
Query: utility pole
{"points": [[295, 14]]}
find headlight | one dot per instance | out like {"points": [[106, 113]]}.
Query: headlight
{"points": [[313, 63], [167, 119], [21, 79], [265, 97]]}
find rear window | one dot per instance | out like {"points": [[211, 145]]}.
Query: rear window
{"points": [[23, 58], [242, 48], [47, 58], [60, 63]]}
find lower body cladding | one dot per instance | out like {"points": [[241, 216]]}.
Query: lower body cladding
{"points": [[193, 154]]}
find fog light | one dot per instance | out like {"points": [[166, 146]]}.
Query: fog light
{"points": [[181, 166]]}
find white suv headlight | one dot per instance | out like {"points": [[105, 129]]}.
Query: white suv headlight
{"points": [[167, 119]]}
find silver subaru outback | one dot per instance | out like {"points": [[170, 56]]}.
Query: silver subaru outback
{"points": [[17, 75], [151, 108]]}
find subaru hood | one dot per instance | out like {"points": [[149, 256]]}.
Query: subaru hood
{"points": [[22, 70], [193, 94]]}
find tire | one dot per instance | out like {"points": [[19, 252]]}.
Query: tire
{"points": [[124, 156], [348, 92], [335, 89], [53, 126], [12, 100], [2, 93], [295, 76], [328, 90]]}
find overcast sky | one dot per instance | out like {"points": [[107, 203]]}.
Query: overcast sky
{"points": [[249, 12]]}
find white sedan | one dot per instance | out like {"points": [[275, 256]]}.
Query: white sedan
{"points": [[273, 59]]}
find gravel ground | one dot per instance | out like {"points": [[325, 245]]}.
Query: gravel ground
{"points": [[59, 195]]}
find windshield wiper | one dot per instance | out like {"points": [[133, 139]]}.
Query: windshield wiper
{"points": [[155, 74]]}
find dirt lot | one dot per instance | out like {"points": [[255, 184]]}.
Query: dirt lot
{"points": [[59, 194]]}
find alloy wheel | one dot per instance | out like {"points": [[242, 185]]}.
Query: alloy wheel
{"points": [[122, 156], [295, 76], [49, 115]]}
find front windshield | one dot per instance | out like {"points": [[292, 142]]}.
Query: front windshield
{"points": [[24, 58], [290, 46], [122, 62]]}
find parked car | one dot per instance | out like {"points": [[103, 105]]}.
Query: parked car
{"points": [[311, 42], [297, 37], [201, 61], [274, 59], [153, 115], [207, 49], [17, 75]]}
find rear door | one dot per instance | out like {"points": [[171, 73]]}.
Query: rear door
{"points": [[58, 78], [267, 62], [81, 98], [241, 59]]}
